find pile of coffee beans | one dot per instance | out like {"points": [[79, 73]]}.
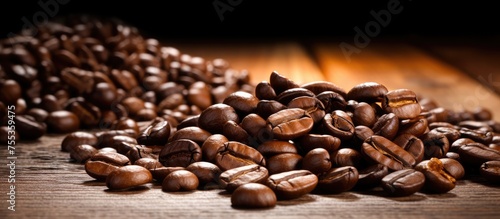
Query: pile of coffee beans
{"points": [[89, 73], [287, 140]]}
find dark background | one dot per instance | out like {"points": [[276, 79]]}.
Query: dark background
{"points": [[283, 19]]}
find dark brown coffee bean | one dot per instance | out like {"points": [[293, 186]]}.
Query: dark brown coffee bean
{"points": [[318, 87], [156, 133], [283, 162], [103, 95], [482, 114], [128, 177], [371, 176], [453, 155], [338, 180], [403, 182], [317, 161], [290, 123], [38, 114], [63, 122], [253, 195], [367, 92], [437, 180], [459, 143], [264, 91], [214, 117], [311, 105], [275, 147], [280, 83], [195, 134], [180, 153], [453, 168], [339, 124], [126, 123], [78, 79], [475, 125], [403, 103], [346, 157], [491, 171], [236, 177], [207, 173], [435, 144], [253, 124], [137, 152], [440, 124], [332, 101], [363, 114], [74, 139], [476, 154], [267, 107], [180, 180], [124, 79], [311, 141], [28, 128], [148, 163], [189, 122], [10, 91], [212, 146], [88, 114], [243, 102], [286, 96], [484, 137], [199, 95], [102, 164], [361, 133], [450, 133], [387, 126], [416, 127], [383, 151], [412, 144], [235, 133], [160, 173], [292, 184], [82, 153], [235, 154]]}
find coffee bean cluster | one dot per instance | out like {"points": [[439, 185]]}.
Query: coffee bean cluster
{"points": [[287, 140], [87, 73]]}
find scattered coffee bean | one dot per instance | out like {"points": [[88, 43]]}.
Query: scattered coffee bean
{"points": [[253, 195], [128, 177]]}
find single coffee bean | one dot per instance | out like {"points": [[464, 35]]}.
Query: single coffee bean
{"points": [[75, 139], [195, 134], [156, 133], [453, 168], [332, 101], [253, 195], [440, 124], [122, 143], [403, 182], [103, 95], [416, 127], [383, 151], [82, 153], [199, 95], [290, 123], [265, 108], [311, 105], [126, 123], [459, 143], [235, 154], [236, 133], [317, 161], [38, 114], [386, 126], [102, 164], [403, 103], [211, 147], [436, 144], [88, 114], [367, 92], [311, 141], [411, 144], [450, 133], [283, 162], [338, 180], [180, 180], [280, 83], [437, 180], [275, 147], [476, 154], [491, 171], [214, 117], [371, 176], [286, 96], [236, 177], [339, 124], [63, 122], [28, 128], [453, 155], [347, 157], [207, 173], [243, 102], [292, 184], [475, 125], [318, 87], [363, 114], [264, 91], [361, 133], [10, 91], [160, 173], [148, 163], [180, 153], [484, 137], [128, 177], [253, 124]]}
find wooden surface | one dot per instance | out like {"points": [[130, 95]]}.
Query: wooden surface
{"points": [[49, 186]]}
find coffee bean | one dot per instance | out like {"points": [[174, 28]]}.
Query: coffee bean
{"points": [[180, 180], [160, 173], [102, 164], [484, 137], [74, 139], [253, 195], [189, 122], [363, 114], [82, 153], [28, 128], [318, 87], [275, 147], [195, 134], [199, 95], [267, 107], [403, 182], [311, 141], [207, 173], [10, 91], [156, 133], [361, 133], [211, 147], [243, 102], [235, 154], [286, 96], [317, 161], [453, 168], [371, 176], [387, 126], [339, 124], [411, 144], [476, 154], [88, 114], [253, 124], [283, 162], [347, 157], [290, 123], [367, 92], [450, 133], [233, 178], [459, 143], [403, 103], [436, 144], [236, 133], [148, 163], [280, 83], [63, 122], [437, 180], [383, 151], [126, 123], [292, 184], [491, 171], [180, 153], [338, 180], [214, 117], [416, 127], [128, 177]]}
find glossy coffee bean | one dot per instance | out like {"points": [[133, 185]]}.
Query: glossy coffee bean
{"points": [[403, 182], [367, 92], [318, 87], [265, 108], [371, 176], [188, 122], [28, 128], [339, 124], [346, 157], [290, 123], [416, 127], [234, 132], [481, 136], [180, 153], [286, 96], [283, 162], [292, 184], [383, 151], [102, 164], [126, 123], [453, 168], [491, 171], [82, 153], [403, 103], [160, 173], [460, 142], [236, 177], [280, 83], [361, 133], [275, 147], [195, 134], [214, 117], [437, 180], [88, 114], [476, 154], [264, 91], [243, 102], [63, 122], [180, 180], [311, 141], [75, 139], [317, 161], [311, 105], [450, 133], [436, 144], [128, 177], [156, 133], [253, 195], [207, 173], [412, 145], [211, 147], [10, 91], [235, 154], [337, 180], [332, 101], [38, 114], [253, 124], [199, 95], [387, 126]]}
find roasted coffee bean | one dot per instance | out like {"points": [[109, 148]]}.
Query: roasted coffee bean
{"points": [[156, 133], [416, 127], [82, 153], [412, 144], [283, 162], [10, 91], [403, 103], [88, 114], [367, 92], [63, 122], [264, 91], [123, 79], [211, 147], [476, 154], [128, 177], [317, 161], [126, 123], [403, 182], [292, 184], [363, 114], [275, 147], [195, 134], [484, 137], [435, 144], [160, 173], [137, 152], [122, 143], [437, 180], [207, 173], [28, 128], [214, 117], [362, 132], [235, 154], [332, 101], [383, 151], [267, 107], [290, 123], [491, 171], [253, 195], [450, 133], [311, 105], [148, 163], [453, 168], [236, 177], [38, 114], [189, 122], [180, 180], [475, 125], [482, 114], [338, 180], [243, 102], [460, 142], [253, 124], [311, 141], [286, 96], [199, 95], [318, 87], [74, 139], [339, 124], [102, 164], [346, 157], [440, 124], [387, 126], [235, 133], [280, 83], [371, 176], [180, 153], [103, 95], [49, 103], [453, 155]]}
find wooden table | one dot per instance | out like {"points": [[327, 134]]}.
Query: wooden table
{"points": [[49, 186]]}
